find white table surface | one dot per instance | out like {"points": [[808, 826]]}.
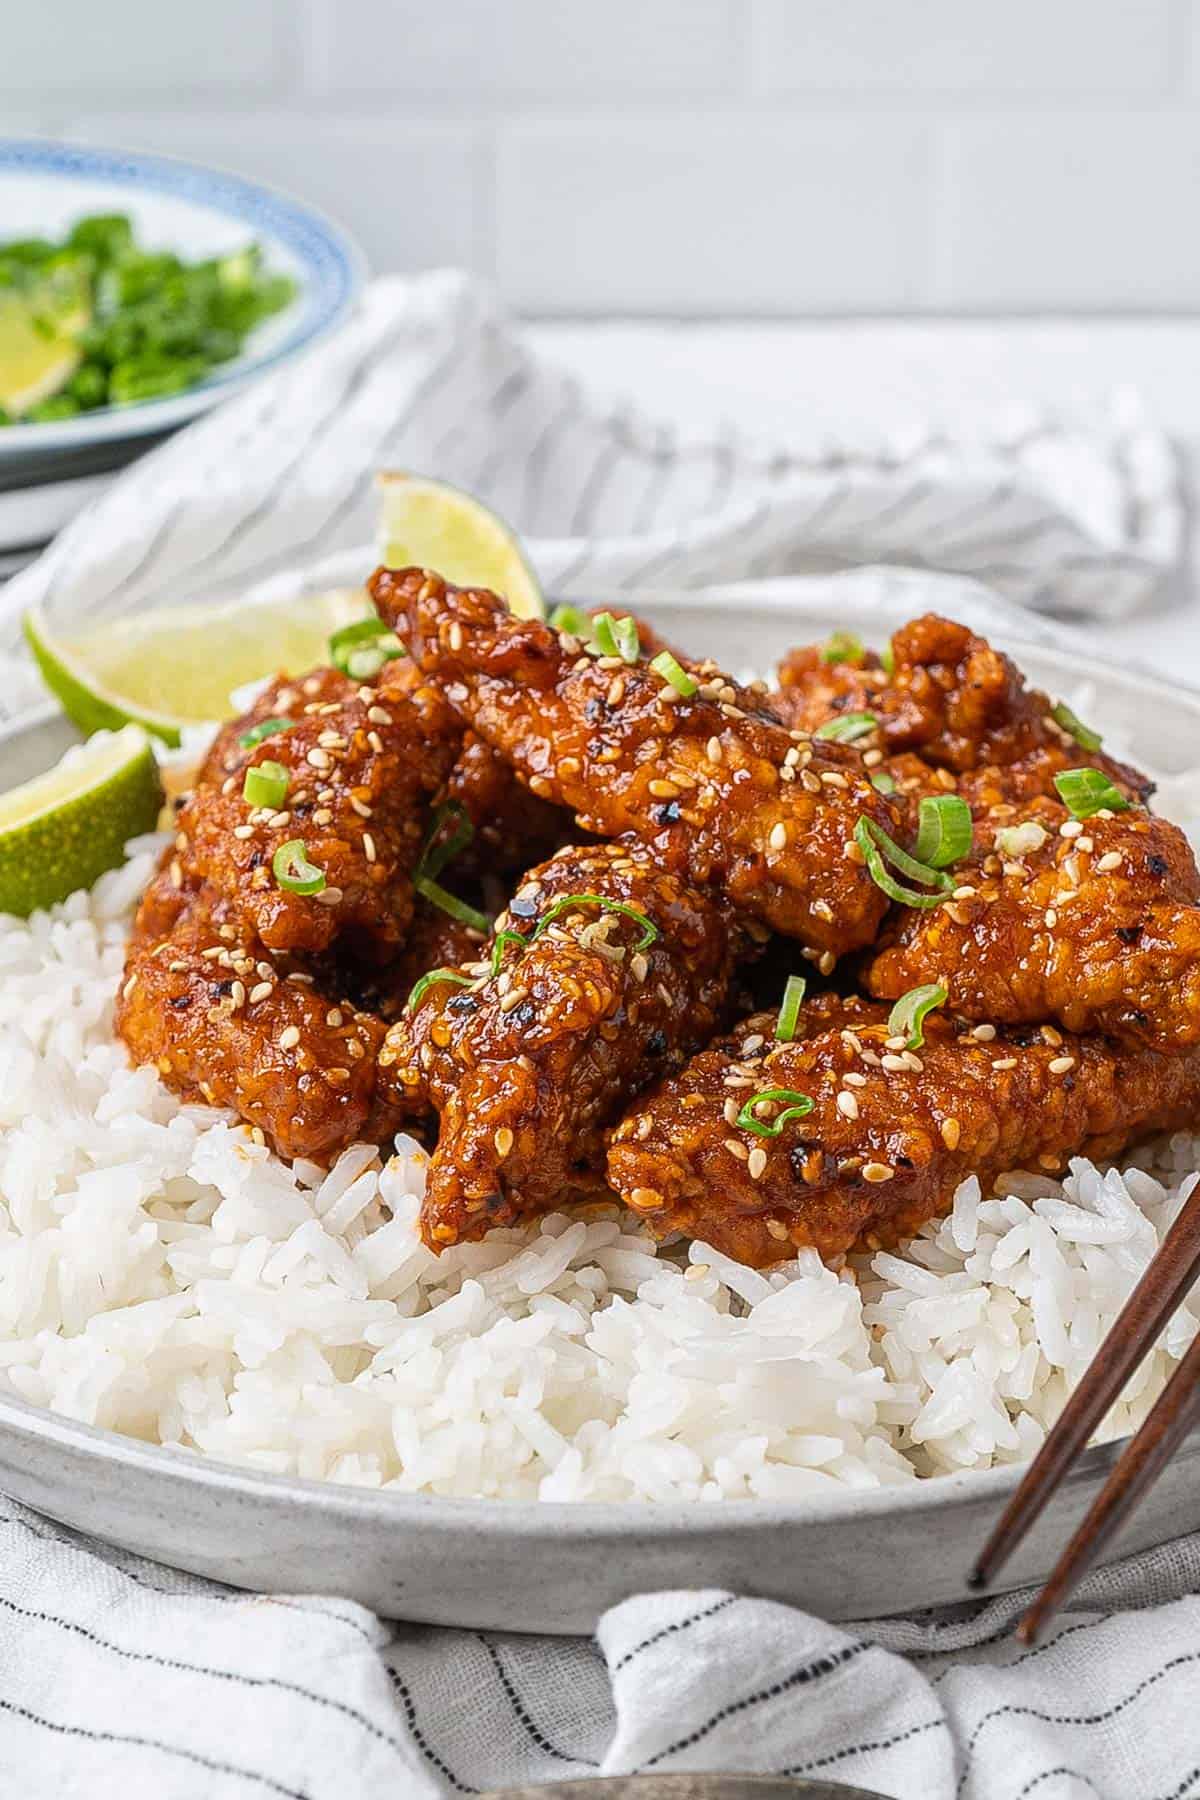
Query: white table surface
{"points": [[812, 381]]}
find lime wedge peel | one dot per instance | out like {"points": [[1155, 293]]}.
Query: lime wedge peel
{"points": [[177, 666], [38, 348], [430, 525], [62, 830]]}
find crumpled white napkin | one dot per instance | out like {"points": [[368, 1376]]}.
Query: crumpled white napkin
{"points": [[121, 1678]]}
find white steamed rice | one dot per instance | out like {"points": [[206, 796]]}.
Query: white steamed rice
{"points": [[162, 1275]]}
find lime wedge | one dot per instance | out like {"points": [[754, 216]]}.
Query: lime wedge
{"points": [[61, 830], [38, 329], [177, 666], [430, 525]]}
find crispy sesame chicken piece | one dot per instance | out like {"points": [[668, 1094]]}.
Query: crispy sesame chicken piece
{"points": [[954, 701], [362, 764], [225, 1022], [711, 783], [890, 1133], [1094, 923], [610, 971]]}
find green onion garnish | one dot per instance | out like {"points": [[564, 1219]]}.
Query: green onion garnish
{"points": [[450, 903], [266, 784], [843, 647], [362, 649], [943, 830], [449, 832], [908, 1016], [570, 901], [883, 783], [574, 621], [265, 729], [799, 1106], [665, 664], [616, 637], [789, 1011], [848, 727], [503, 939], [875, 844], [421, 988], [1088, 791], [887, 659], [1084, 736], [293, 870]]}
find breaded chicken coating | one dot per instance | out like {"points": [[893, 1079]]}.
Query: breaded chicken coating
{"points": [[361, 765], [1093, 923], [882, 1135], [711, 782], [225, 1022], [609, 972]]}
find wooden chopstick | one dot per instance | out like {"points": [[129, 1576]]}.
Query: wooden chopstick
{"points": [[1174, 1414], [1173, 1270]]}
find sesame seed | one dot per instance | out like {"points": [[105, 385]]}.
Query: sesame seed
{"points": [[1070, 828], [639, 967], [852, 851], [176, 875], [130, 985], [736, 1149], [261, 991], [872, 759], [847, 1104], [616, 691], [454, 637], [1110, 860], [827, 963], [360, 807], [951, 1133], [332, 740], [663, 790], [1050, 1036], [243, 831], [756, 1162], [503, 1140], [278, 820], [1049, 1161], [983, 1034], [966, 892], [730, 1110], [376, 742], [513, 998], [777, 1229], [322, 816], [368, 843], [1004, 1062], [894, 1043], [330, 896], [318, 758], [1061, 1064], [877, 1171], [822, 910], [809, 782], [237, 994], [177, 968], [834, 778], [1051, 918], [852, 1078], [334, 1017], [694, 1271], [893, 1063], [289, 1037], [379, 715], [778, 837], [753, 1043], [1085, 844]]}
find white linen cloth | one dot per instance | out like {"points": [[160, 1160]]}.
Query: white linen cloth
{"points": [[120, 1678]]}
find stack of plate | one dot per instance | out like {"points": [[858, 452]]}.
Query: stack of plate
{"points": [[49, 471]]}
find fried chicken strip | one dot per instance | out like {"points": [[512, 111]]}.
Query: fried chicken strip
{"points": [[609, 972], [712, 783], [1094, 923], [224, 1022], [362, 766], [890, 1134]]}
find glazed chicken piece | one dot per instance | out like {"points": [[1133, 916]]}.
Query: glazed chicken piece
{"points": [[1094, 923], [225, 1022], [362, 765], [713, 785], [609, 972], [890, 1133], [956, 703]]}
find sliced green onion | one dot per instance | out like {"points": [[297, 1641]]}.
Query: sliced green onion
{"points": [[266, 784], [616, 637], [293, 870], [350, 638], [849, 726], [264, 729], [944, 830], [875, 843], [1084, 736], [364, 665], [1088, 791], [800, 1105], [665, 664], [503, 940], [789, 1011], [442, 845], [887, 659], [883, 783], [450, 903], [421, 988], [843, 647], [574, 621], [908, 1016], [570, 901]]}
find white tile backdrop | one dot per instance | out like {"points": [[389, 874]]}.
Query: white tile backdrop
{"points": [[679, 157]]}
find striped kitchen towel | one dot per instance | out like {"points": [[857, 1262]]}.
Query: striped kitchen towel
{"points": [[274, 492]]}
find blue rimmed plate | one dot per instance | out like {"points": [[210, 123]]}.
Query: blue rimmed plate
{"points": [[46, 186]]}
